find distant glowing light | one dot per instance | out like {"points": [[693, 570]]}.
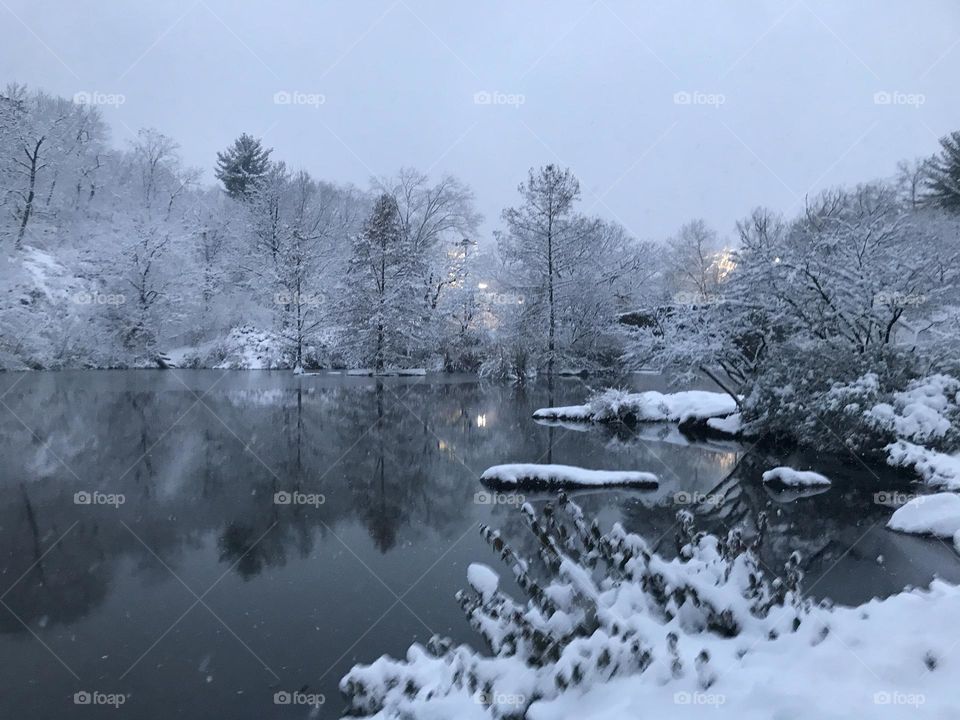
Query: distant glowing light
{"points": [[481, 420], [482, 286]]}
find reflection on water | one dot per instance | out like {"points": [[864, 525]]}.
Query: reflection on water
{"points": [[201, 595]]}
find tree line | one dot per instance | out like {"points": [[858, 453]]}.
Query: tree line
{"points": [[116, 257]]}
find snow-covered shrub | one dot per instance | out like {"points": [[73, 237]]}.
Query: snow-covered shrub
{"points": [[819, 394], [599, 606], [925, 412]]}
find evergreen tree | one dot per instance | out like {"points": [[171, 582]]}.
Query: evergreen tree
{"points": [[383, 305], [943, 174], [241, 166]]}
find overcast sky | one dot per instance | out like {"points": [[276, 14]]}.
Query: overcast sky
{"points": [[666, 111]]}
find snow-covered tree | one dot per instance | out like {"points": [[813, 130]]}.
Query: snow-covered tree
{"points": [[572, 275], [241, 166], [942, 174], [383, 307]]}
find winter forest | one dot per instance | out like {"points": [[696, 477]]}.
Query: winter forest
{"points": [[531, 435]]}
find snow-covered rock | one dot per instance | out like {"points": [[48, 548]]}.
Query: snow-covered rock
{"points": [[649, 406], [937, 514], [794, 478], [532, 476], [730, 425]]}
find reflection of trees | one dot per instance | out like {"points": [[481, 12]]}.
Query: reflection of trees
{"points": [[197, 479], [823, 526], [56, 582]]}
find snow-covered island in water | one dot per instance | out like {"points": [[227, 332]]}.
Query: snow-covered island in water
{"points": [[650, 406], [531, 476]]}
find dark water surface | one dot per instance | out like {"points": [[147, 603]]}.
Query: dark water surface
{"points": [[201, 597]]}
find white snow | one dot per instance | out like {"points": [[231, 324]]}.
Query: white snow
{"points": [[730, 425], [936, 468], [893, 658], [794, 478], [531, 475], [483, 580], [918, 413], [937, 514], [648, 406]]}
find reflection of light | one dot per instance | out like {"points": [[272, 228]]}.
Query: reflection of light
{"points": [[482, 286], [481, 420], [442, 445]]}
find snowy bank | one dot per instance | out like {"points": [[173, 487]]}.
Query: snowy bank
{"points": [[794, 478], [937, 514], [936, 468], [923, 418], [650, 406], [530, 476], [615, 631]]}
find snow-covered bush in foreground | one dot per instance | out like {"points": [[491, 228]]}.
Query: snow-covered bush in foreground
{"points": [[617, 632], [612, 608]]}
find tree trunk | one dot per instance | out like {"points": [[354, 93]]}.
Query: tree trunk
{"points": [[31, 192]]}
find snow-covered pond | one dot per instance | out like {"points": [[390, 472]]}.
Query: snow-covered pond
{"points": [[204, 540]]}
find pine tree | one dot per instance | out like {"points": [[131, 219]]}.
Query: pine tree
{"points": [[241, 166], [943, 174]]}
